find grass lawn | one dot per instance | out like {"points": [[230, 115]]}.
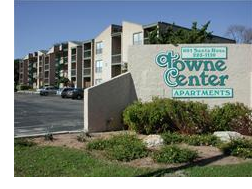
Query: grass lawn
{"points": [[32, 160], [45, 161], [240, 170]]}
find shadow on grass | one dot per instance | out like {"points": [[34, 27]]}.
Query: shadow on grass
{"points": [[201, 162]]}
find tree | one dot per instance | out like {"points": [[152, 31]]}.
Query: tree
{"points": [[16, 71], [172, 35], [240, 34], [63, 80]]}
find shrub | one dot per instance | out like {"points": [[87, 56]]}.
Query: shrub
{"points": [[195, 140], [232, 117], [173, 138], [120, 147], [82, 137], [23, 142], [163, 115], [48, 136], [238, 147], [99, 144], [25, 87], [202, 140], [173, 154]]}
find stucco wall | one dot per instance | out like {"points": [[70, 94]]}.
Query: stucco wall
{"points": [[104, 103], [127, 37], [105, 56], [149, 82]]}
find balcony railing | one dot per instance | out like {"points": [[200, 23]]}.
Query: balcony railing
{"points": [[87, 53], [46, 81], [73, 72], [46, 67], [65, 60], [86, 72], [116, 59], [73, 58]]}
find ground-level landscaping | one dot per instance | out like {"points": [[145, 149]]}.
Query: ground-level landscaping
{"points": [[122, 154], [52, 161]]}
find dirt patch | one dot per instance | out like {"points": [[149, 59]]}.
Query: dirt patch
{"points": [[208, 155]]}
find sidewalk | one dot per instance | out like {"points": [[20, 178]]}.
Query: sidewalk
{"points": [[28, 92]]}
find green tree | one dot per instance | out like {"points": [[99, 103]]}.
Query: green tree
{"points": [[63, 80], [16, 71], [173, 35]]}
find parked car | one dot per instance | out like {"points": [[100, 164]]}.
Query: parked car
{"points": [[65, 90], [77, 93], [59, 91], [48, 90]]}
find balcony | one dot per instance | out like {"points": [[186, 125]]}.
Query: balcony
{"points": [[65, 60], [73, 66], [116, 59], [46, 81], [87, 54], [46, 67], [34, 75], [86, 72], [73, 72], [73, 58]]}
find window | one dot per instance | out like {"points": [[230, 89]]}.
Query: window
{"points": [[138, 38], [99, 47], [98, 81], [98, 66]]}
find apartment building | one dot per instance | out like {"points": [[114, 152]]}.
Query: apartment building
{"points": [[88, 63], [28, 70], [93, 61], [40, 68], [75, 63]]}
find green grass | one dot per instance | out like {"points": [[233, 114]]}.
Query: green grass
{"points": [[240, 170], [31, 161]]}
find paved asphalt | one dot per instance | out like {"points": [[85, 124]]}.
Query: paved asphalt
{"points": [[35, 114]]}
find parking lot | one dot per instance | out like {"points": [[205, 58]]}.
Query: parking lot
{"points": [[35, 114]]}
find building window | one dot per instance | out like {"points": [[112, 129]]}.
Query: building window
{"points": [[138, 38], [98, 66], [98, 81], [99, 47]]}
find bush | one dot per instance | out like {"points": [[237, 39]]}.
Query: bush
{"points": [[173, 154], [99, 144], [173, 138], [232, 117], [195, 140], [239, 147], [23, 142], [120, 147], [163, 115], [202, 140], [24, 87]]}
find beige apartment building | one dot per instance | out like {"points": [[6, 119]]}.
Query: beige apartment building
{"points": [[111, 46], [93, 61], [88, 63]]}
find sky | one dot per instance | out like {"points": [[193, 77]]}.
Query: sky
{"points": [[40, 24]]}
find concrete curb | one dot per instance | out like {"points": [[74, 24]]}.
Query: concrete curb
{"points": [[43, 134], [28, 92]]}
